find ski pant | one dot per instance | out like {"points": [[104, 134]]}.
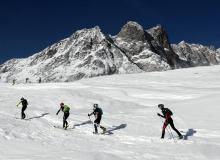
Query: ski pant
{"points": [[97, 123], [22, 112], [65, 116], [169, 122]]}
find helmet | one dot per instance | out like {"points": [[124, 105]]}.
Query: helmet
{"points": [[160, 106], [61, 104], [95, 105], [22, 98]]}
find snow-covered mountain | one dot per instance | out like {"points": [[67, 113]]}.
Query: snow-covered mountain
{"points": [[90, 53], [196, 54]]}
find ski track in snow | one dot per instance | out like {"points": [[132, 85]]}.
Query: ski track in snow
{"points": [[129, 103]]}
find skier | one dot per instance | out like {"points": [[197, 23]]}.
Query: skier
{"points": [[26, 80], [24, 106], [66, 111], [13, 82], [168, 120], [39, 80], [97, 112]]}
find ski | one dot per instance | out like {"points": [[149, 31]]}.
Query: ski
{"points": [[103, 133], [66, 128]]}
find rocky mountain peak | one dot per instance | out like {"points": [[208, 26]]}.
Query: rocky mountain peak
{"points": [[132, 31], [182, 43], [160, 35], [91, 33]]}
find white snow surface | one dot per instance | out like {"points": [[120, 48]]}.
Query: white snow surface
{"points": [[129, 103]]}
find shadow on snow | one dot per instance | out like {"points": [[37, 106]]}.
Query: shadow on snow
{"points": [[189, 133], [114, 128], [109, 129], [42, 115], [83, 123]]}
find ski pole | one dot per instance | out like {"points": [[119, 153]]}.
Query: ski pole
{"points": [[90, 119], [172, 134], [16, 113]]}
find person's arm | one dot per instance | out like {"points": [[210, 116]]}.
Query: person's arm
{"points": [[18, 104], [58, 111], [161, 115], [91, 114]]}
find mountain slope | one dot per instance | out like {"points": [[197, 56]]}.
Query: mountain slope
{"points": [[90, 53], [197, 55]]}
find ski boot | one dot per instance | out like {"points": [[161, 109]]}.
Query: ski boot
{"points": [[181, 137], [66, 127], [103, 130]]}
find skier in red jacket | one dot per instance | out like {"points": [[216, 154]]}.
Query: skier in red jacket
{"points": [[167, 113]]}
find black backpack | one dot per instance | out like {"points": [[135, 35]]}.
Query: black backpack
{"points": [[99, 111], [167, 110]]}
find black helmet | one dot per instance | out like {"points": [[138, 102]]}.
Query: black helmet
{"points": [[22, 98], [160, 106], [95, 105]]}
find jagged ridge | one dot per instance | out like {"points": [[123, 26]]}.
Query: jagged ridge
{"points": [[88, 53]]}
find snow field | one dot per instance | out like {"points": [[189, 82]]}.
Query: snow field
{"points": [[129, 103]]}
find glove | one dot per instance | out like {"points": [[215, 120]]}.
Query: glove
{"points": [[88, 114], [56, 113], [158, 114]]}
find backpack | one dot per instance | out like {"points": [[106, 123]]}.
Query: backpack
{"points": [[169, 111], [99, 110], [66, 108]]}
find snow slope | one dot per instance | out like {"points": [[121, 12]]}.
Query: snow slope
{"points": [[129, 105]]}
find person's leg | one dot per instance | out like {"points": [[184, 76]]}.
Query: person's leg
{"points": [[163, 130], [103, 129], [65, 123], [64, 120], [67, 115], [22, 113], [96, 129], [174, 128], [96, 124], [99, 120]]}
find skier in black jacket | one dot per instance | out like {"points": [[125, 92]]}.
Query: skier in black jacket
{"points": [[24, 107], [97, 112], [168, 120]]}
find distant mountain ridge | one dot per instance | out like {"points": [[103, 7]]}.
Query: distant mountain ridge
{"points": [[89, 53]]}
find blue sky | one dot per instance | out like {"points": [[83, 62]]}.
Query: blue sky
{"points": [[28, 26]]}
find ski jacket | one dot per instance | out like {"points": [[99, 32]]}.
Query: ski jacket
{"points": [[24, 102]]}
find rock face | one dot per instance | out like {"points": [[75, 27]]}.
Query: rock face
{"points": [[132, 31], [89, 53], [196, 55], [161, 38]]}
